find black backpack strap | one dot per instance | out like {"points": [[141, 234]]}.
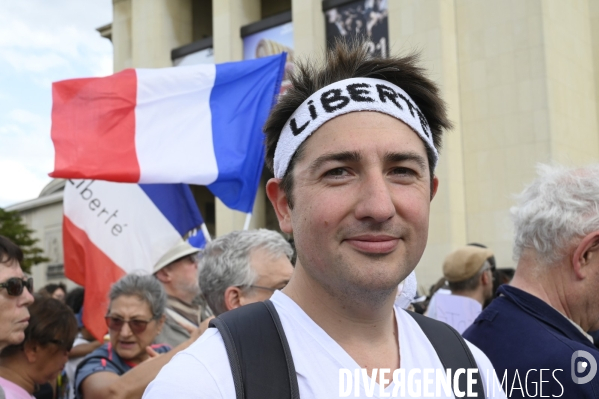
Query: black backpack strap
{"points": [[451, 349], [258, 352]]}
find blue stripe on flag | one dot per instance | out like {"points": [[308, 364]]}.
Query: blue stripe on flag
{"points": [[176, 203], [197, 241], [243, 94]]}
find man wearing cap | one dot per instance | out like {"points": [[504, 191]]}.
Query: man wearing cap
{"points": [[177, 270], [470, 279], [352, 145], [536, 332]]}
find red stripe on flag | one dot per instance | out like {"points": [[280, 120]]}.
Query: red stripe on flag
{"points": [[93, 128], [87, 265]]}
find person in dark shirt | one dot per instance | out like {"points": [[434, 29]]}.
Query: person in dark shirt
{"points": [[536, 332]]}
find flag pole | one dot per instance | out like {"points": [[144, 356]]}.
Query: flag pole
{"points": [[206, 232], [248, 217]]}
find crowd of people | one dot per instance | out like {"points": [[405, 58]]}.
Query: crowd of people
{"points": [[353, 146]]}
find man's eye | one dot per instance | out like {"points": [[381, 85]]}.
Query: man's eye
{"points": [[403, 171], [336, 172]]}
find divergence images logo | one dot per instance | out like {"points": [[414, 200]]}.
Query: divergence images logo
{"points": [[582, 366]]}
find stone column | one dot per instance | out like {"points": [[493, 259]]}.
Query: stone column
{"points": [[121, 34], [157, 27], [228, 17], [308, 28]]}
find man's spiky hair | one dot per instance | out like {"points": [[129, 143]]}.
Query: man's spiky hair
{"points": [[350, 59]]}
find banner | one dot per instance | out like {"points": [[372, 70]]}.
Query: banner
{"points": [[111, 229]]}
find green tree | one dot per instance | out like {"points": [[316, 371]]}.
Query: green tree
{"points": [[12, 226]]}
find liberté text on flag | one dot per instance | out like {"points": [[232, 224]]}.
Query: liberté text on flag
{"points": [[112, 229], [199, 124]]}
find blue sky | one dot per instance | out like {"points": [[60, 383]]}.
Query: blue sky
{"points": [[42, 42]]}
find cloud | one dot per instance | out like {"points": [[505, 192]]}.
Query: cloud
{"points": [[41, 42], [19, 182], [40, 36], [27, 61]]}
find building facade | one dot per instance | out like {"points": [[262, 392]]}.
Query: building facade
{"points": [[520, 79]]}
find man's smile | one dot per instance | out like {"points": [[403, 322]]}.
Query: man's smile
{"points": [[374, 243]]}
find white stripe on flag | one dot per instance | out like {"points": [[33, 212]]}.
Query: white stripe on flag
{"points": [[122, 221], [171, 128]]}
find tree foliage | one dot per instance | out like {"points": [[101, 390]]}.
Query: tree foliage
{"points": [[13, 227]]}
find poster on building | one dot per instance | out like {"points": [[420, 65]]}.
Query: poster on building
{"points": [[363, 18], [272, 41], [205, 56]]}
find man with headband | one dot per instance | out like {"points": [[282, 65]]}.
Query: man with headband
{"points": [[353, 146]]}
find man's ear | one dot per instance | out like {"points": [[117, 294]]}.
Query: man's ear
{"points": [[434, 187], [279, 202], [586, 254], [233, 298], [163, 275], [485, 279]]}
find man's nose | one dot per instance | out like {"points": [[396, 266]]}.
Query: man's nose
{"points": [[375, 198]]}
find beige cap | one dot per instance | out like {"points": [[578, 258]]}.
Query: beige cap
{"points": [[464, 263], [177, 252]]}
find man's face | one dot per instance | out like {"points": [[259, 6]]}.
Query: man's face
{"points": [[361, 197], [14, 316], [273, 273], [184, 273]]}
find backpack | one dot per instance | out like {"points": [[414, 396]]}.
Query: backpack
{"points": [[261, 361]]}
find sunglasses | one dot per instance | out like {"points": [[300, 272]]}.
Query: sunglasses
{"points": [[14, 286], [136, 326]]}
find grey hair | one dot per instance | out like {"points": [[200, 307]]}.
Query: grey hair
{"points": [[145, 287], [225, 262], [471, 283], [562, 204]]}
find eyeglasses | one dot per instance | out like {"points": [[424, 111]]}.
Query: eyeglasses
{"points": [[14, 286], [263, 288], [136, 326]]}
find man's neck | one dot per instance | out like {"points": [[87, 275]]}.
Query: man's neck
{"points": [[547, 283], [477, 295], [357, 326], [7, 371], [184, 297]]}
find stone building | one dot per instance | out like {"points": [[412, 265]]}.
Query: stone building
{"points": [[520, 78]]}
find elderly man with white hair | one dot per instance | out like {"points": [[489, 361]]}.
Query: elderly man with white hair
{"points": [[536, 332], [244, 267]]}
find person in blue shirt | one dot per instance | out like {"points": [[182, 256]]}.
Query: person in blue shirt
{"points": [[536, 332], [123, 367]]}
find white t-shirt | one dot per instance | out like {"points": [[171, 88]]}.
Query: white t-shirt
{"points": [[456, 310], [203, 370], [72, 364], [431, 310]]}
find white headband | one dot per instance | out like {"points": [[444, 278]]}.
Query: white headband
{"points": [[343, 97]]}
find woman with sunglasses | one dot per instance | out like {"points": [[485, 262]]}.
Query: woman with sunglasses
{"points": [[40, 358], [15, 294], [124, 367]]}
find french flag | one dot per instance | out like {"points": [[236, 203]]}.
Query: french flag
{"points": [[199, 124], [111, 229]]}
